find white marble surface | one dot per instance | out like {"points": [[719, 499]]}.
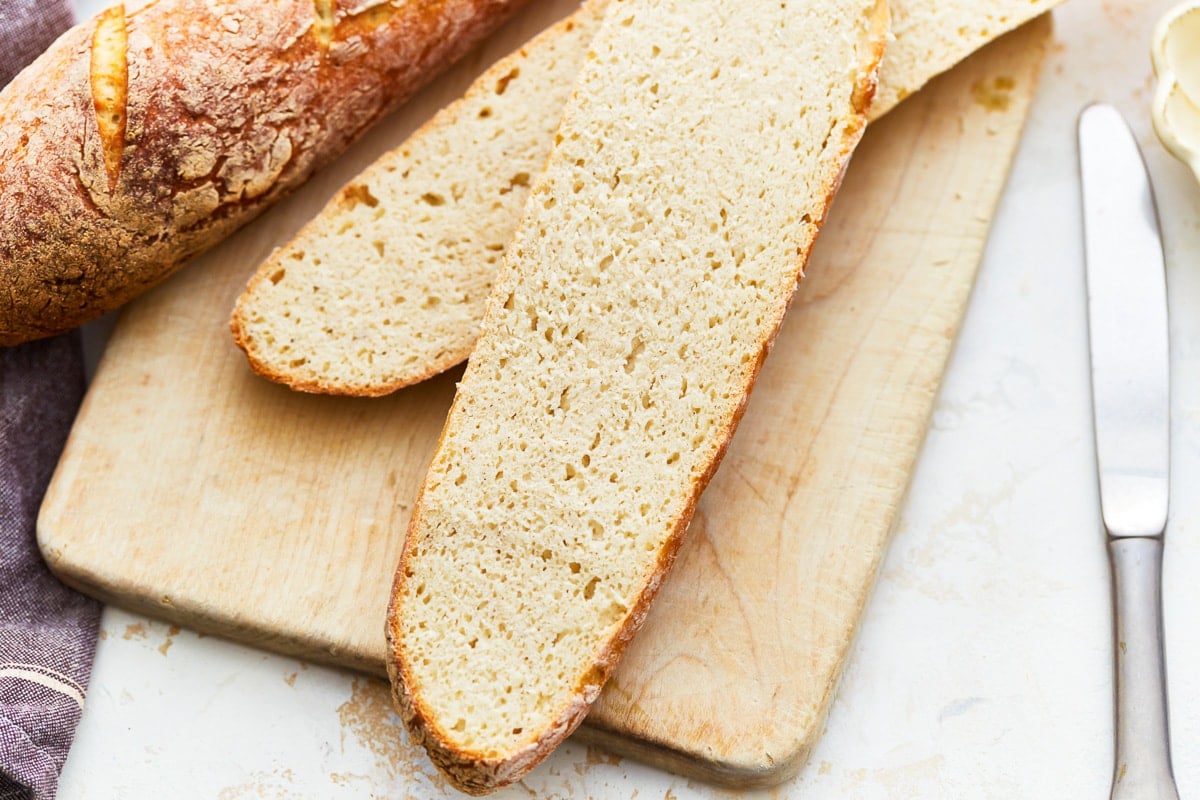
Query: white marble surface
{"points": [[983, 668]]}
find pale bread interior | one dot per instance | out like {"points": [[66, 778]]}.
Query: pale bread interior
{"points": [[653, 265], [931, 36]]}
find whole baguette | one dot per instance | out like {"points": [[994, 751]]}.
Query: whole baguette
{"points": [[386, 286], [142, 138], [653, 264]]}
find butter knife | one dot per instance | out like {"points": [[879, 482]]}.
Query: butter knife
{"points": [[1127, 323]]}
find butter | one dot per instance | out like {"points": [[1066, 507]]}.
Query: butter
{"points": [[1176, 55]]}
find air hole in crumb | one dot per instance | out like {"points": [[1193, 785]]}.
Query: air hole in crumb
{"points": [[519, 179], [433, 199], [359, 193], [502, 84], [634, 352], [278, 276]]}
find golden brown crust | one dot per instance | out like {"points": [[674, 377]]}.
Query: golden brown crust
{"points": [[479, 773], [266, 370], [229, 105]]}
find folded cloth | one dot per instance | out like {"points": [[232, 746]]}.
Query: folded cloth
{"points": [[47, 632], [27, 27]]}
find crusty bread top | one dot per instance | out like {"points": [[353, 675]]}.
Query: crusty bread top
{"points": [[657, 254], [140, 138], [386, 286]]}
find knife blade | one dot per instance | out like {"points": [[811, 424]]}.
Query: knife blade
{"points": [[1127, 325], [1127, 319]]}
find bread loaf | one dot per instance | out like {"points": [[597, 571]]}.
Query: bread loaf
{"points": [[141, 138], [386, 286], [658, 251]]}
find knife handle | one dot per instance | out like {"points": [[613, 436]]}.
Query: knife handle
{"points": [[1143, 754]]}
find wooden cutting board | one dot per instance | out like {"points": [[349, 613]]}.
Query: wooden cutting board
{"points": [[193, 491]]}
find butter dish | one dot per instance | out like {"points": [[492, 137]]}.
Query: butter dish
{"points": [[1176, 55]]}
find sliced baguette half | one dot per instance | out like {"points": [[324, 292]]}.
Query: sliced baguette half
{"points": [[387, 285], [657, 254]]}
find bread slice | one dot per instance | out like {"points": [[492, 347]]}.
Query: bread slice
{"points": [[931, 36], [387, 285], [659, 249]]}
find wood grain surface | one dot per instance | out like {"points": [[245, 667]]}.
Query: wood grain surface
{"points": [[196, 492]]}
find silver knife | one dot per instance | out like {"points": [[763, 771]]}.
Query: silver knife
{"points": [[1127, 322]]}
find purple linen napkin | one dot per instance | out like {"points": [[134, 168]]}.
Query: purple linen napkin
{"points": [[26, 29], [47, 632]]}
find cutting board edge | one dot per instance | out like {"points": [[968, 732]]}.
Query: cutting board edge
{"points": [[750, 773], [115, 591], [730, 774]]}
